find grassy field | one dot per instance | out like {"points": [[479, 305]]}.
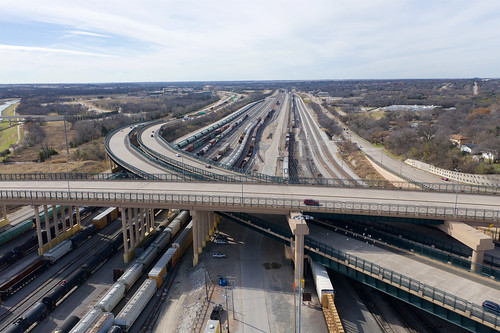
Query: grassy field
{"points": [[8, 135]]}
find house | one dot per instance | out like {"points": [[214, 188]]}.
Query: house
{"points": [[458, 139], [469, 148], [490, 156]]}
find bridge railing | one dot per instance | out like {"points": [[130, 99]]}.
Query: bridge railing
{"points": [[389, 209], [326, 253], [441, 252], [255, 177], [402, 281]]}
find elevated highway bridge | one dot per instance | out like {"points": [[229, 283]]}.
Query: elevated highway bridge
{"points": [[170, 181]]}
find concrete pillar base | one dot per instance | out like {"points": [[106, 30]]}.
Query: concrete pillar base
{"points": [[129, 256]]}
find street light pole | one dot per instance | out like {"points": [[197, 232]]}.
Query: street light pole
{"points": [[301, 217]]}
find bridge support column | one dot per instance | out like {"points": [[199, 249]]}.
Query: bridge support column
{"points": [[47, 223], [211, 224], [195, 220], [478, 241], [476, 260], [71, 222], [38, 230], [130, 225], [137, 226], [127, 255], [56, 221], [63, 218], [299, 229], [205, 223], [77, 214], [4, 220], [151, 220]]}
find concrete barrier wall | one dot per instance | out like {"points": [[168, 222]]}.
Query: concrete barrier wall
{"points": [[486, 180]]}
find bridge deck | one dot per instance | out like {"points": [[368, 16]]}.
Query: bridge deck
{"points": [[474, 289], [120, 147]]}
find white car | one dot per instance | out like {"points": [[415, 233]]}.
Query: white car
{"points": [[178, 155], [218, 255], [221, 241]]}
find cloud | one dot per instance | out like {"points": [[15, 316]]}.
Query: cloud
{"points": [[50, 50], [86, 33], [260, 39]]}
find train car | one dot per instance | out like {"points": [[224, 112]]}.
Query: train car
{"points": [[131, 275], [128, 315], [185, 238], [321, 280], [189, 148], [112, 297], [83, 235], [58, 251], [105, 218], [103, 323], [213, 326], [68, 324], [162, 240], [87, 321], [147, 257], [178, 222], [164, 266], [16, 231], [20, 280]]}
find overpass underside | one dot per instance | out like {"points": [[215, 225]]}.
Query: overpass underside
{"points": [[427, 298]]}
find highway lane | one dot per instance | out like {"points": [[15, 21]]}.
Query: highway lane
{"points": [[442, 277], [119, 144], [266, 191]]}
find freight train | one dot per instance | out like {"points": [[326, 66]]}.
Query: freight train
{"points": [[48, 303], [215, 126], [98, 316], [25, 226], [156, 277], [30, 244], [13, 285]]}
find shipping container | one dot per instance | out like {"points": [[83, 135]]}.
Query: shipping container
{"points": [[112, 297], [321, 280], [106, 217], [131, 275], [58, 251], [185, 238], [87, 321], [103, 323], [163, 266], [127, 316]]}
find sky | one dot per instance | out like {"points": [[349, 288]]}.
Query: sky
{"points": [[89, 41]]}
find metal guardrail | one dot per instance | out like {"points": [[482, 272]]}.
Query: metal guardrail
{"points": [[389, 209], [413, 286], [254, 177], [359, 232]]}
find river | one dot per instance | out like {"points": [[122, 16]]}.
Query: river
{"points": [[6, 105]]}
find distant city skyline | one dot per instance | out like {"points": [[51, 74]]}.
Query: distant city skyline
{"points": [[129, 41]]}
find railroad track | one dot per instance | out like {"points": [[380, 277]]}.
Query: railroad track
{"points": [[16, 311], [318, 146]]}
